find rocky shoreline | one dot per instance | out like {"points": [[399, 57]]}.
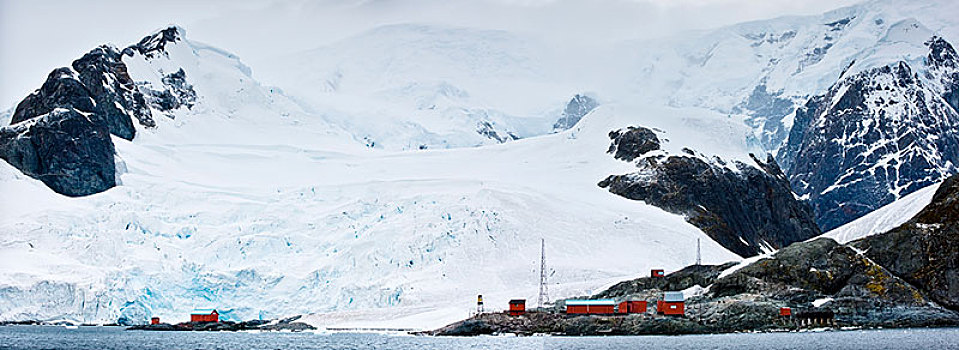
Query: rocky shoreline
{"points": [[288, 324]]}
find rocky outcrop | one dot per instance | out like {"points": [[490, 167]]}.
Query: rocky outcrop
{"points": [[577, 108], [745, 208], [70, 151], [925, 250], [288, 324], [821, 268], [62, 89], [632, 142], [60, 133], [487, 129], [175, 93], [153, 46], [874, 137], [693, 275], [97, 83], [560, 324]]}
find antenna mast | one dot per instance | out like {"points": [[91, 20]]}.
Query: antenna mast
{"points": [[543, 292], [699, 254]]}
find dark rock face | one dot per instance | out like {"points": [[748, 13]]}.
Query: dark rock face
{"points": [[743, 209], [632, 143], [57, 132], [118, 99], [925, 250], [98, 83], [62, 89], [576, 109], [943, 65], [70, 152], [875, 137]]}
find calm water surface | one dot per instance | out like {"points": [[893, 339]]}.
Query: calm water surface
{"points": [[50, 337]]}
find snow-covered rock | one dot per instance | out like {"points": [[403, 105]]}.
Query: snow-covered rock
{"points": [[874, 137]]}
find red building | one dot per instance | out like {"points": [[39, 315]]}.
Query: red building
{"points": [[657, 273], [785, 311], [517, 307], [591, 307], [155, 320], [632, 307], [673, 303], [205, 315]]}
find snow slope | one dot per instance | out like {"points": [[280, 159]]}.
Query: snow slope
{"points": [[249, 204], [405, 85], [885, 218]]}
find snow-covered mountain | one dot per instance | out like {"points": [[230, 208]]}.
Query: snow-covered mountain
{"points": [[760, 71], [240, 201], [876, 136], [359, 188]]}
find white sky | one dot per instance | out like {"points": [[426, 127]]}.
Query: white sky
{"points": [[37, 36]]}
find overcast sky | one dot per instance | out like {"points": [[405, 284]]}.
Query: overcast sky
{"points": [[37, 36]]}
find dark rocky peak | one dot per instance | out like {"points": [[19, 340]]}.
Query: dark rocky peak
{"points": [[632, 142], [872, 138], [941, 53], [943, 70], [97, 83], [745, 208], [154, 45], [577, 107], [62, 89], [68, 150], [119, 102]]}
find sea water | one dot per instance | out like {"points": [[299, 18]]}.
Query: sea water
{"points": [[57, 337]]}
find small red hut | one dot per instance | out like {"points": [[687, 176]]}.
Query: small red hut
{"points": [[517, 307], [673, 303], [657, 273], [205, 315], [632, 307], [155, 320], [785, 311]]}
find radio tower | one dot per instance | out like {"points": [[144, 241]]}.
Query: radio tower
{"points": [[543, 292], [699, 255]]}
